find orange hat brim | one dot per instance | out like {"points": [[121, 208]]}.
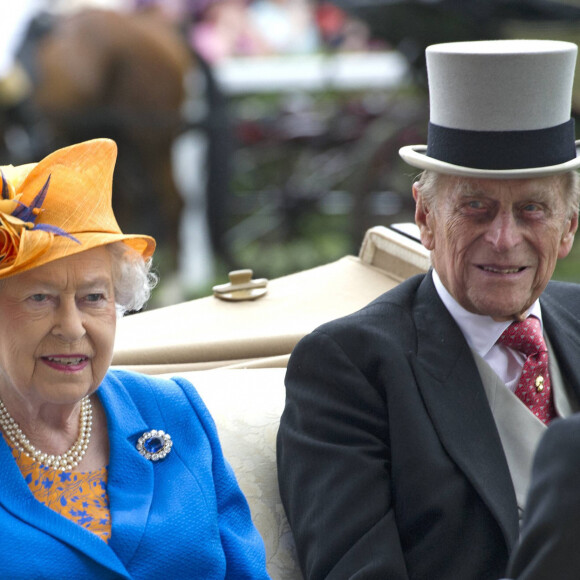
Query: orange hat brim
{"points": [[78, 202]]}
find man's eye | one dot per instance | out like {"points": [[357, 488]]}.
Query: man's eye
{"points": [[475, 204]]}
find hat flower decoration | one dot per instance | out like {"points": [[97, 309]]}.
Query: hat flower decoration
{"points": [[16, 217]]}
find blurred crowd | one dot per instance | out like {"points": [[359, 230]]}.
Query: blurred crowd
{"points": [[216, 29], [259, 27], [219, 29]]}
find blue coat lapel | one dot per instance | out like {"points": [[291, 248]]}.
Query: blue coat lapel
{"points": [[130, 485], [454, 396], [130, 489], [17, 499]]}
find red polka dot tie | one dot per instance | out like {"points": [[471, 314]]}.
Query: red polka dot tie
{"points": [[534, 387]]}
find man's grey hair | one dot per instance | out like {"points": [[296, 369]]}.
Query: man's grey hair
{"points": [[568, 183], [133, 279]]}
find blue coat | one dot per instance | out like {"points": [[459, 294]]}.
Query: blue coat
{"points": [[181, 517]]}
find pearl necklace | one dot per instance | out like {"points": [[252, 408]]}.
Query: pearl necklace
{"points": [[67, 460]]}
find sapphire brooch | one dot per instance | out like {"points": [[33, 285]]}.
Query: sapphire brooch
{"points": [[154, 445]]}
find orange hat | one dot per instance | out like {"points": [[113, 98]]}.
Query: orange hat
{"points": [[59, 207]]}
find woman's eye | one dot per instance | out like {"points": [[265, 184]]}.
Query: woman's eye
{"points": [[39, 297], [95, 297], [475, 204]]}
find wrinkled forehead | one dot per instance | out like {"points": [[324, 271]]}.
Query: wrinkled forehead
{"points": [[547, 189]]}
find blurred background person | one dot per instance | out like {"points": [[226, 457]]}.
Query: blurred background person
{"points": [[548, 546]]}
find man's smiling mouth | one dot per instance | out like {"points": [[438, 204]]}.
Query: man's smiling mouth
{"points": [[501, 270]]}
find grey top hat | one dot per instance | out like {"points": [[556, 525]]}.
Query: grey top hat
{"points": [[499, 109]]}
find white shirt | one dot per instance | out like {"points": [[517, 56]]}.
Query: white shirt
{"points": [[482, 333]]}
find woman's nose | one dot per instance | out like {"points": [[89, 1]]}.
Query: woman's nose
{"points": [[69, 321]]}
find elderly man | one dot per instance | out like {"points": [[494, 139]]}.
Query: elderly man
{"points": [[406, 443]]}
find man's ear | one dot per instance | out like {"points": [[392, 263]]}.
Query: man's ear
{"points": [[568, 236], [423, 219]]}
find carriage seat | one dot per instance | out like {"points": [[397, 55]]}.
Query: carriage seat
{"points": [[246, 405]]}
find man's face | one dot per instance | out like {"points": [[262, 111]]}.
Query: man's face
{"points": [[494, 243]]}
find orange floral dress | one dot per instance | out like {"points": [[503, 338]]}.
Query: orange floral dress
{"points": [[80, 497]]}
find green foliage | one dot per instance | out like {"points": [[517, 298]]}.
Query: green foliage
{"points": [[568, 269]]}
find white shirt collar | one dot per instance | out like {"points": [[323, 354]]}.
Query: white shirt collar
{"points": [[481, 332]]}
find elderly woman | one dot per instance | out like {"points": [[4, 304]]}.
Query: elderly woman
{"points": [[103, 473]]}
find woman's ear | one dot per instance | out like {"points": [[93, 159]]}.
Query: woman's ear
{"points": [[423, 219]]}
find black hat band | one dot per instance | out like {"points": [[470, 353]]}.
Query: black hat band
{"points": [[500, 150]]}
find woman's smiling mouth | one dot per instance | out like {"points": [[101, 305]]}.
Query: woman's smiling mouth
{"points": [[75, 362]]}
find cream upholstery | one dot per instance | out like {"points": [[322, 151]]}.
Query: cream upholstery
{"points": [[246, 345], [246, 405]]}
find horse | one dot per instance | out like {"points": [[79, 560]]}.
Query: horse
{"points": [[105, 73]]}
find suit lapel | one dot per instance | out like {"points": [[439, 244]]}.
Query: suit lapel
{"points": [[561, 326], [453, 393]]}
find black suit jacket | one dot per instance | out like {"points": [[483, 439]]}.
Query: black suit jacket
{"points": [[390, 464], [551, 527]]}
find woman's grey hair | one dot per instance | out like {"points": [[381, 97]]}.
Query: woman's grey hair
{"points": [[133, 279], [430, 183]]}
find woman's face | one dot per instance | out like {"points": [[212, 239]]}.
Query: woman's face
{"points": [[58, 329]]}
